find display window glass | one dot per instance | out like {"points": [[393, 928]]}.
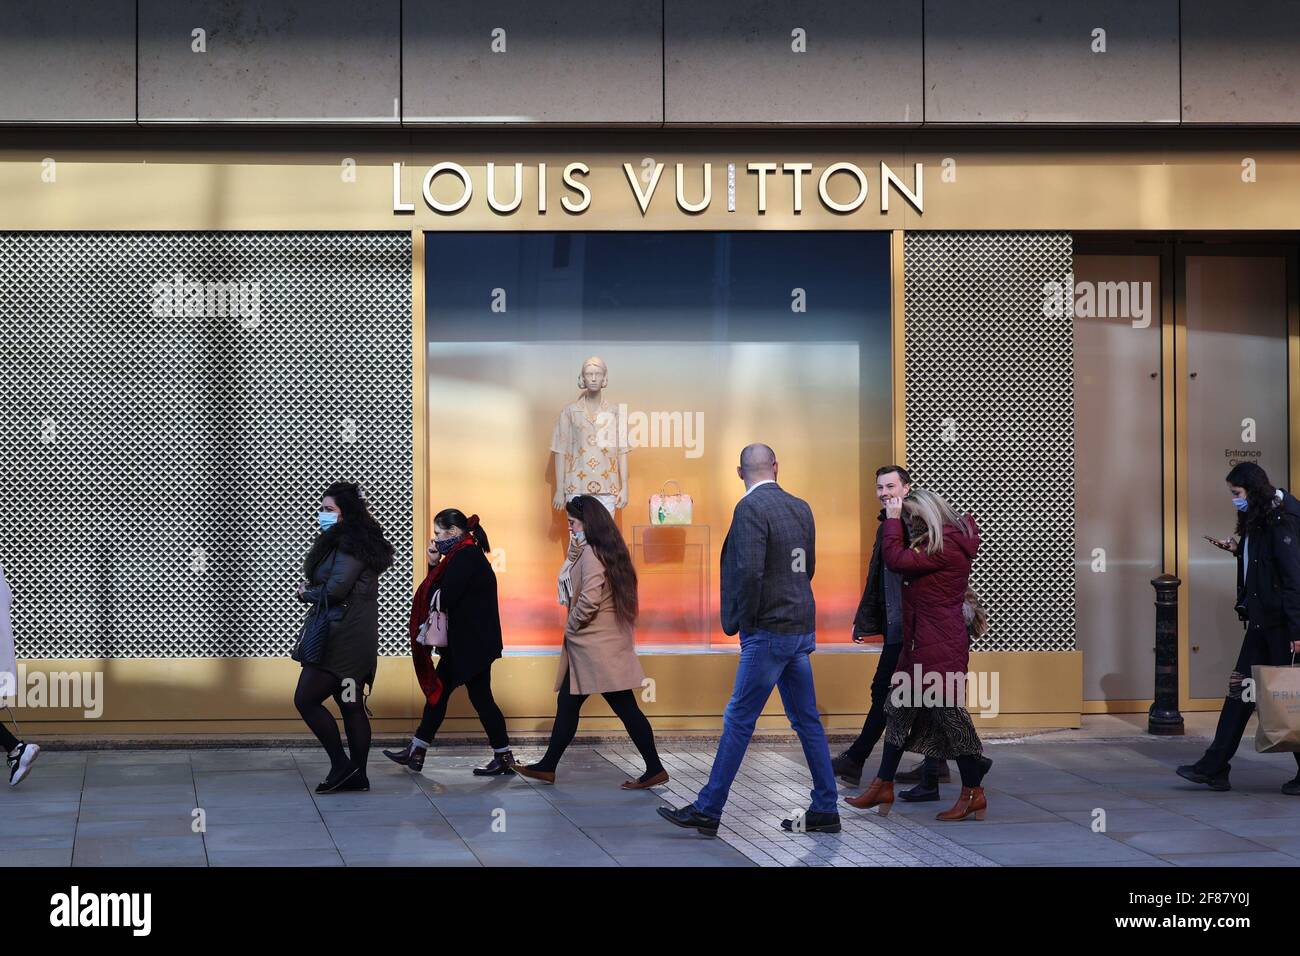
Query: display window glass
{"points": [[694, 344]]}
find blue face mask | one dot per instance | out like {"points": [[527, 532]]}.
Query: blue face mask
{"points": [[444, 545], [1241, 504], [580, 537], [326, 519]]}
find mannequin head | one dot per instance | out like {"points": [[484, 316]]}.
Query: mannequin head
{"points": [[593, 376]]}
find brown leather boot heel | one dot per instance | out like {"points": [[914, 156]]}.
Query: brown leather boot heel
{"points": [[971, 801], [879, 794]]}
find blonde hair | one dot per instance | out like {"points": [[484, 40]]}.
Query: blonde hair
{"points": [[934, 513]]}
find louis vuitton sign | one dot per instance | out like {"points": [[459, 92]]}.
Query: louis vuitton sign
{"points": [[842, 188]]}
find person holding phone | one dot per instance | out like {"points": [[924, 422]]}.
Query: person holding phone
{"points": [[1267, 547], [462, 577]]}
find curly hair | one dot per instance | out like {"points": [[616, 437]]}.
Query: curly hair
{"points": [[357, 532]]}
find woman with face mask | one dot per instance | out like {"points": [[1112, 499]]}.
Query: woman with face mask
{"points": [[342, 571], [597, 584], [1267, 547], [465, 586]]}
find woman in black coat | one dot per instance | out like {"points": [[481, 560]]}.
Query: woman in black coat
{"points": [[343, 567], [1267, 546], [462, 576]]}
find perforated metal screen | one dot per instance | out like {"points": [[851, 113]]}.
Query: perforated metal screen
{"points": [[173, 406], [990, 417]]}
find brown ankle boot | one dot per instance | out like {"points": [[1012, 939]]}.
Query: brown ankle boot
{"points": [[971, 801], [879, 794]]}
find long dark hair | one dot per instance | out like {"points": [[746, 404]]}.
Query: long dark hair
{"points": [[1259, 496], [604, 539], [453, 519], [357, 532]]}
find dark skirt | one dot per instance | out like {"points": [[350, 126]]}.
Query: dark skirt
{"points": [[944, 733]]}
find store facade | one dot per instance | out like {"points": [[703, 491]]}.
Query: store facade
{"points": [[1071, 334]]}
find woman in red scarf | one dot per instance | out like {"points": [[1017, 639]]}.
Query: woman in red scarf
{"points": [[466, 586]]}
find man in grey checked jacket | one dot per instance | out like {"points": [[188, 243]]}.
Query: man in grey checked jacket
{"points": [[768, 559]]}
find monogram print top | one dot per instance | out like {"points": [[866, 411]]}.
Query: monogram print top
{"points": [[591, 446]]}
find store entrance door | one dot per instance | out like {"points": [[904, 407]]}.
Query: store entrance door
{"points": [[1183, 367], [1233, 306]]}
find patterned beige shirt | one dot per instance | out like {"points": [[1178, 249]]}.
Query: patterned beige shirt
{"points": [[591, 448]]}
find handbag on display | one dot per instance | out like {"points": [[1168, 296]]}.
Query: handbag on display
{"points": [[666, 509], [433, 632], [1277, 705], [309, 648]]}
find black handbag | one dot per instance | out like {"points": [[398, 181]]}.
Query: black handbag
{"points": [[309, 648]]}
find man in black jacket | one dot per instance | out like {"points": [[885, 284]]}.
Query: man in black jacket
{"points": [[881, 612], [768, 560], [1267, 547]]}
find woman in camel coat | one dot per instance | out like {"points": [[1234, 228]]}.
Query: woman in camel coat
{"points": [[598, 654], [598, 585]]}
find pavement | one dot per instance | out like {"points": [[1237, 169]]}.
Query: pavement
{"points": [[1104, 795]]}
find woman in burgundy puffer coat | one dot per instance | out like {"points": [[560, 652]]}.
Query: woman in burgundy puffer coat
{"points": [[925, 712]]}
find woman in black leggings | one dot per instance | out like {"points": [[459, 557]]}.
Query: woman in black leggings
{"points": [[466, 587], [598, 585], [343, 568]]}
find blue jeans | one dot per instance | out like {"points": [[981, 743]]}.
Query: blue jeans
{"points": [[770, 660]]}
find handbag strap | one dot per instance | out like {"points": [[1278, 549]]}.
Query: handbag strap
{"points": [[671, 481], [324, 605]]}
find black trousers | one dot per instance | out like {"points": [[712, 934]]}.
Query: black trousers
{"points": [[479, 688], [874, 725], [7, 740], [622, 703], [1260, 645]]}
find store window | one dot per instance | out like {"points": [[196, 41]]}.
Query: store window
{"points": [[707, 342]]}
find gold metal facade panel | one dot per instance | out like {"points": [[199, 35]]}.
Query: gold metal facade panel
{"points": [[202, 695], [1104, 180]]}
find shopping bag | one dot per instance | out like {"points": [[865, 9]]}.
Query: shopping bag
{"points": [[1277, 705], [666, 509]]}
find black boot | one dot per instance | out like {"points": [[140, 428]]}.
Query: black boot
{"points": [[503, 762], [847, 769], [1212, 769], [1216, 780], [928, 788], [411, 756]]}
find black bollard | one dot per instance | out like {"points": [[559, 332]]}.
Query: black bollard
{"points": [[1164, 719]]}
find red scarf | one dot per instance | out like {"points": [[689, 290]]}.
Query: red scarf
{"points": [[431, 684]]}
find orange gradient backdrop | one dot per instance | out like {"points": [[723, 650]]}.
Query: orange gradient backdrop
{"points": [[492, 409]]}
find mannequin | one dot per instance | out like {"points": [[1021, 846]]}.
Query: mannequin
{"points": [[590, 457]]}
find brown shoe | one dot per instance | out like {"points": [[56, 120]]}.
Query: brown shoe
{"points": [[546, 776], [971, 801], [879, 794], [657, 780]]}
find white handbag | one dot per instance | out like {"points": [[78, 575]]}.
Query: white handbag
{"points": [[674, 509], [433, 632]]}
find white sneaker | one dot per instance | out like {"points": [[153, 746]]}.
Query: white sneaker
{"points": [[20, 762]]}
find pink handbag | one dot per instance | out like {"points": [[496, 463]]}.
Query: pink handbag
{"points": [[666, 509], [433, 632]]}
